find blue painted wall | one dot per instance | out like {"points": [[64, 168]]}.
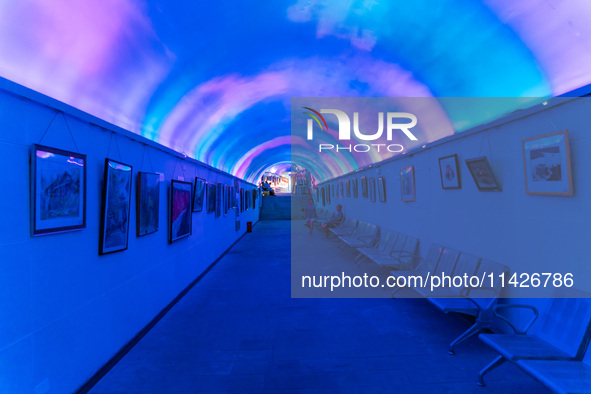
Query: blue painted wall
{"points": [[65, 310]]}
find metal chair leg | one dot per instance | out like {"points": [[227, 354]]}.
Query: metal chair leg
{"points": [[497, 362], [475, 329]]}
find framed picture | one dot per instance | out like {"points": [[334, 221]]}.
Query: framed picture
{"points": [[372, 189], [246, 200], [180, 209], [348, 187], [328, 187], [323, 193], [115, 207], [254, 198], [382, 189], [147, 203], [218, 200], [355, 188], [407, 183], [226, 198], [364, 187], [450, 172], [241, 200], [546, 162], [333, 190], [483, 175], [211, 197], [58, 191], [232, 197], [199, 195], [341, 189]]}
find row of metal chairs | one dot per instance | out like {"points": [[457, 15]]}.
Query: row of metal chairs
{"points": [[554, 346], [474, 301], [391, 249], [553, 351]]}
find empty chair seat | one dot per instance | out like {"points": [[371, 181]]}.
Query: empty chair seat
{"points": [[426, 265], [402, 255], [447, 263], [467, 264], [377, 248], [387, 241], [561, 376], [561, 332], [366, 235]]}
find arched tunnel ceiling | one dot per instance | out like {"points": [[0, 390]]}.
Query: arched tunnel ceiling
{"points": [[214, 80]]}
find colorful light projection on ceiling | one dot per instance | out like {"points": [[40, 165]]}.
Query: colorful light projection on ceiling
{"points": [[214, 80]]}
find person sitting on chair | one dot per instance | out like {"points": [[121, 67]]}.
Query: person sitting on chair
{"points": [[334, 222], [267, 188]]}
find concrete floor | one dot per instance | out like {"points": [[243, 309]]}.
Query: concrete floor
{"points": [[239, 330]]}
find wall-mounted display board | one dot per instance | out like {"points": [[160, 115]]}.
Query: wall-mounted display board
{"points": [[547, 166], [58, 190], [147, 203], [114, 231]]}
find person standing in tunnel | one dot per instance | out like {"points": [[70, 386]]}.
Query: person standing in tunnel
{"points": [[310, 215]]}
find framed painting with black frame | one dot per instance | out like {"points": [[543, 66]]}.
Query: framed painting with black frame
{"points": [[483, 175], [218, 200], [147, 203], [211, 197], [116, 207], [241, 199], [372, 189], [58, 190], [225, 198], [407, 184], [450, 172], [199, 194], [180, 225], [547, 165], [364, 192], [382, 189]]}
